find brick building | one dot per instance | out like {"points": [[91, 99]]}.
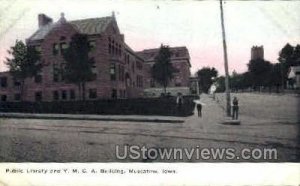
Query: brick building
{"points": [[180, 59], [120, 72]]}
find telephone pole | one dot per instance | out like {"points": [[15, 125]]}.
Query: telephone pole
{"points": [[228, 107]]}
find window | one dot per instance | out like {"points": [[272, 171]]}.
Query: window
{"points": [[3, 98], [3, 82], [114, 93], [63, 94], [121, 93], [72, 94], [112, 72], [152, 83], [120, 71], [16, 82], [109, 46], [55, 95], [120, 50], [38, 48], [17, 97], [55, 73], [38, 96], [92, 93], [139, 81], [139, 65], [38, 78], [113, 47], [92, 45], [63, 47], [132, 67], [55, 49], [177, 81], [62, 70]]}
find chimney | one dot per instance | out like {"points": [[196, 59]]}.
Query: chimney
{"points": [[44, 20], [122, 37]]}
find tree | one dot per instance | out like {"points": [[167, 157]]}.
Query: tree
{"points": [[259, 71], [162, 71], [25, 63], [296, 55], [205, 77], [275, 76], [78, 68], [288, 56], [220, 81], [240, 81]]}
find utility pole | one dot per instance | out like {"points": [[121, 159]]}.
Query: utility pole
{"points": [[228, 107]]}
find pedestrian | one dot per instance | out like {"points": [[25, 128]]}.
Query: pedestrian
{"points": [[179, 101], [235, 108], [199, 109]]}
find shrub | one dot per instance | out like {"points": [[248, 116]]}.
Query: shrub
{"points": [[165, 106]]}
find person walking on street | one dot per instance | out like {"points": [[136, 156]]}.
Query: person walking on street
{"points": [[235, 108], [179, 101], [199, 109]]}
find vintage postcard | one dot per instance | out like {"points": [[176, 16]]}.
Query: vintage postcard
{"points": [[124, 92]]}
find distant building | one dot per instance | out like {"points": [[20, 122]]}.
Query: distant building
{"points": [[180, 59], [120, 72], [294, 77], [257, 52]]}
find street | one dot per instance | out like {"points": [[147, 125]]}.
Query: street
{"points": [[267, 121]]}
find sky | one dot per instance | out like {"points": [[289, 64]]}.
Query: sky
{"points": [[148, 24]]}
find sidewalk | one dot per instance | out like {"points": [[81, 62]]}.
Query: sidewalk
{"points": [[257, 127], [133, 118]]}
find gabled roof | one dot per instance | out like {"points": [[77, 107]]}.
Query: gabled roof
{"points": [[176, 53], [85, 26], [91, 26]]}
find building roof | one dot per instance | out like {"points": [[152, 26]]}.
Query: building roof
{"points": [[176, 53], [132, 52], [91, 26], [85, 26]]}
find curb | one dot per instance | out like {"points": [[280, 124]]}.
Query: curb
{"points": [[88, 118]]}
